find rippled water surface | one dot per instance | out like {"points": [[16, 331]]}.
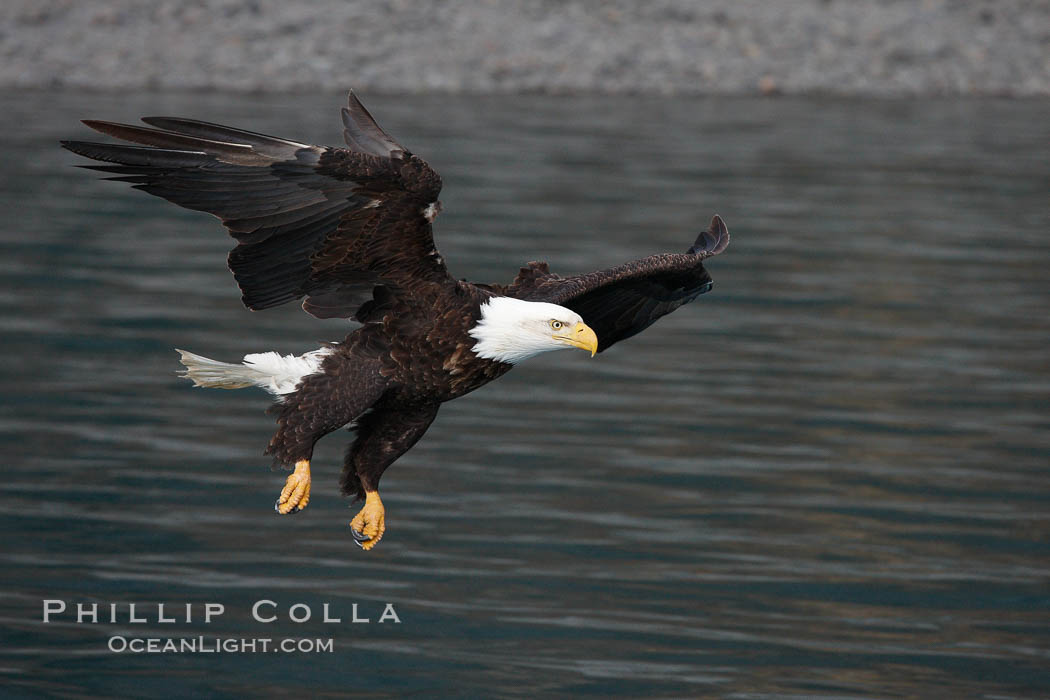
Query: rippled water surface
{"points": [[828, 477]]}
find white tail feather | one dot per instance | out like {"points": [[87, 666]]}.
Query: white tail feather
{"points": [[277, 374]]}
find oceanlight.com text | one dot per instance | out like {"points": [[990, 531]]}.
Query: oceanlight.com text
{"points": [[218, 645]]}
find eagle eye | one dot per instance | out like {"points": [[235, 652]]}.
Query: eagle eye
{"points": [[556, 325]]}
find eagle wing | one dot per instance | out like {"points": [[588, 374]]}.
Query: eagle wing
{"points": [[623, 301], [327, 224]]}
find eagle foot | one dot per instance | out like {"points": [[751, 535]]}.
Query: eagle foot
{"points": [[369, 524], [296, 492]]}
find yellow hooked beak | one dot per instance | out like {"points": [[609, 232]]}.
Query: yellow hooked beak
{"points": [[581, 337]]}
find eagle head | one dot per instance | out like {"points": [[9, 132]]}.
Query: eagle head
{"points": [[511, 330]]}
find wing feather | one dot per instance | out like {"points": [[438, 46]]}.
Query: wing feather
{"points": [[309, 220], [361, 132], [623, 301], [261, 143]]}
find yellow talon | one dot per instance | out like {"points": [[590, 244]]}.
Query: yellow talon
{"points": [[296, 492], [369, 524]]}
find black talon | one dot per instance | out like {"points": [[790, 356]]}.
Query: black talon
{"points": [[277, 508], [359, 537]]}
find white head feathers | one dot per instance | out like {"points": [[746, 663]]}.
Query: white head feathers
{"points": [[512, 330]]}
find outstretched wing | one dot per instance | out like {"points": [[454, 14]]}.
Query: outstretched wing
{"points": [[328, 224], [623, 301]]}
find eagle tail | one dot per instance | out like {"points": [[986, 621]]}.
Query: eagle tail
{"points": [[277, 374]]}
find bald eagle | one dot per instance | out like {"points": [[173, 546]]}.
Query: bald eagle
{"points": [[348, 231]]}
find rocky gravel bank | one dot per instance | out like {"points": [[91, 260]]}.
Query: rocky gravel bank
{"points": [[848, 47]]}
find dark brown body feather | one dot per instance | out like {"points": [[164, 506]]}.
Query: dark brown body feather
{"points": [[349, 232]]}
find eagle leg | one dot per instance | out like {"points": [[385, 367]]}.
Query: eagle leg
{"points": [[296, 492], [322, 402], [393, 425], [369, 524]]}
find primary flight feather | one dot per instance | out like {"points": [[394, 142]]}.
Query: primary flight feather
{"points": [[348, 231]]}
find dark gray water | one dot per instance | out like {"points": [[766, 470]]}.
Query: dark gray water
{"points": [[827, 478]]}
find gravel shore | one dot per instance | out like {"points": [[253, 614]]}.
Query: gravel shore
{"points": [[846, 47]]}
